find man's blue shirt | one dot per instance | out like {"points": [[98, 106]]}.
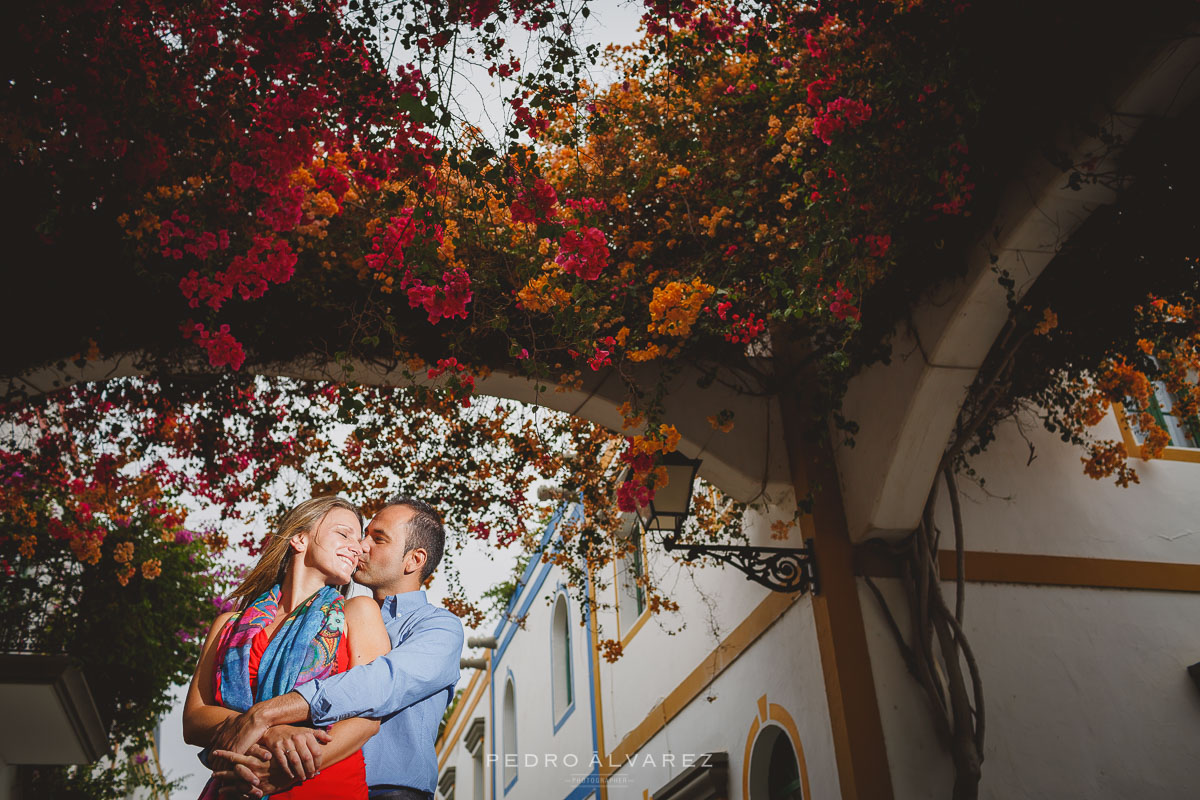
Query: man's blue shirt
{"points": [[407, 689]]}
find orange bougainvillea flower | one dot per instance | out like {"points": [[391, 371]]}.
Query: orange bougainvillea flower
{"points": [[123, 552], [676, 306], [1048, 323]]}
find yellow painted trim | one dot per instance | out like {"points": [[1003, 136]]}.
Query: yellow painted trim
{"points": [[488, 743], [780, 715], [1190, 455], [731, 647], [1028, 568], [1131, 446], [451, 736], [627, 636], [457, 713], [773, 712], [1104, 573], [598, 715], [454, 715], [637, 626]]}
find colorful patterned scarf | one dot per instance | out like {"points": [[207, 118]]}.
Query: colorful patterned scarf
{"points": [[304, 648]]}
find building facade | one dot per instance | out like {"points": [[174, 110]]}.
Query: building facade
{"points": [[1081, 605]]}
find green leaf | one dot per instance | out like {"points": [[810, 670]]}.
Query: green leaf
{"points": [[417, 110]]}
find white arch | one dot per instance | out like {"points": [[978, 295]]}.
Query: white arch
{"points": [[906, 409], [748, 463]]}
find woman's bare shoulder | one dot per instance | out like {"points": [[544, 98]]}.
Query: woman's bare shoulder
{"points": [[364, 625], [363, 607], [221, 619], [219, 624]]}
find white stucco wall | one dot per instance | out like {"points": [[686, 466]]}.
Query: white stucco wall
{"points": [[1051, 507], [1086, 689], [784, 664], [543, 771], [664, 651]]}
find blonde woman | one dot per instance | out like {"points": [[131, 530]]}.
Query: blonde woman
{"points": [[294, 624]]}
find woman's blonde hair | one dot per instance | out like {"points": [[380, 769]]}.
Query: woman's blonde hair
{"points": [[277, 554]]}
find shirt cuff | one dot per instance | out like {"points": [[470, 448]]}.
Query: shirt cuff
{"points": [[318, 704]]}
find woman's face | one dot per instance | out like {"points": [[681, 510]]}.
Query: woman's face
{"points": [[334, 546]]}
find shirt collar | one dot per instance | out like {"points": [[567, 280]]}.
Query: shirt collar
{"points": [[403, 603]]}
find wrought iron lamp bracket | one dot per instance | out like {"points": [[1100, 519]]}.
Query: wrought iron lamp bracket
{"points": [[780, 569]]}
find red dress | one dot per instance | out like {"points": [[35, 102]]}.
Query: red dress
{"points": [[345, 779]]}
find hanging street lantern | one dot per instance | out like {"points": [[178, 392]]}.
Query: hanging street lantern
{"points": [[780, 569], [670, 506]]}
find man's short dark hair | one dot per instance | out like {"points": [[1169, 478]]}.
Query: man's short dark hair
{"points": [[425, 530]]}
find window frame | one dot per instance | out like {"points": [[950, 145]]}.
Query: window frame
{"points": [[510, 690], [1133, 447], [557, 673], [625, 635]]}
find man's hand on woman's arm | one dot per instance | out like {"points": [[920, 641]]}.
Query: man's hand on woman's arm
{"points": [[237, 733], [269, 768], [298, 751], [296, 754], [368, 639], [251, 776]]}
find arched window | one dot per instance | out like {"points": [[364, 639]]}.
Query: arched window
{"points": [[774, 768], [560, 658], [509, 733]]}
